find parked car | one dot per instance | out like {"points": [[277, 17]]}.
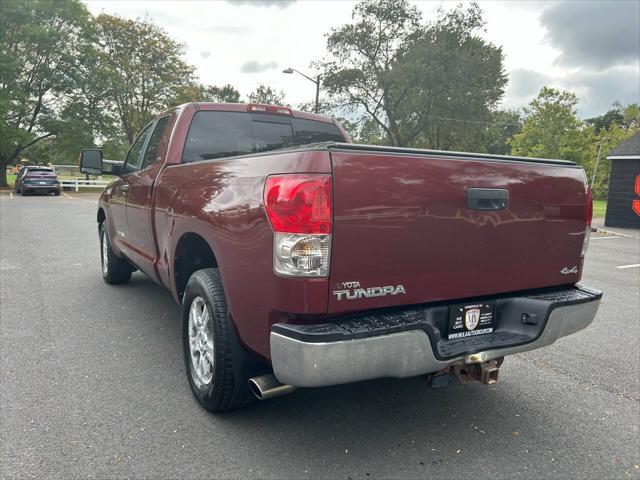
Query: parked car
{"points": [[303, 260], [34, 179]]}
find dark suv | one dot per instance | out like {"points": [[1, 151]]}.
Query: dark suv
{"points": [[37, 179]]}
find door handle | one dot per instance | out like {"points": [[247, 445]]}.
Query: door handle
{"points": [[124, 188], [487, 199]]}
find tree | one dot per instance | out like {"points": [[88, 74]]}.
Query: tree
{"points": [[431, 85], [606, 120], [455, 80], [196, 92], [358, 70], [143, 68], [625, 123], [40, 42], [267, 95], [624, 117], [552, 129], [503, 124]]}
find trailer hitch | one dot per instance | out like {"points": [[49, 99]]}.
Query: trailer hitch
{"points": [[485, 373]]}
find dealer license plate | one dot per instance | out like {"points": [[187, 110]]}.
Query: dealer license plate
{"points": [[468, 320]]}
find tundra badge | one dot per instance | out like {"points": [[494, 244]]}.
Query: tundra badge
{"points": [[353, 291]]}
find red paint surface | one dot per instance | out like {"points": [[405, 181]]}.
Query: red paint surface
{"points": [[397, 219]]}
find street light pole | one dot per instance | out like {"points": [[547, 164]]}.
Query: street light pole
{"points": [[316, 81]]}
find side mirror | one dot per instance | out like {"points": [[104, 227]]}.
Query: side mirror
{"points": [[91, 161]]}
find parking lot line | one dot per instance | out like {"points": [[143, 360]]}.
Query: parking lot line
{"points": [[602, 238], [635, 265], [11, 195]]}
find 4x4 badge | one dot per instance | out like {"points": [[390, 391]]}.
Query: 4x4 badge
{"points": [[569, 271]]}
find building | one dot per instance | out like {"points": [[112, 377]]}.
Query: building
{"points": [[623, 204]]}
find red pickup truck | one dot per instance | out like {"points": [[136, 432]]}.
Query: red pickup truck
{"points": [[303, 260]]}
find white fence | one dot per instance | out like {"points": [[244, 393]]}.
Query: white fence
{"points": [[78, 183]]}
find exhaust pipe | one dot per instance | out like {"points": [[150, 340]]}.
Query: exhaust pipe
{"points": [[268, 386]]}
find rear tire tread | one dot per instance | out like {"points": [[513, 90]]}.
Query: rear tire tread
{"points": [[230, 392]]}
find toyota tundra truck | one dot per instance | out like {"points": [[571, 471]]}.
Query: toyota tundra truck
{"points": [[301, 259]]}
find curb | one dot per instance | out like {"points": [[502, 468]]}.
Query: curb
{"points": [[609, 232]]}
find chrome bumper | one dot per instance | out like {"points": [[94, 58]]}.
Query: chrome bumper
{"points": [[403, 354]]}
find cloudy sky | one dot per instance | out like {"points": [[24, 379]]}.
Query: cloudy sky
{"points": [[589, 47]]}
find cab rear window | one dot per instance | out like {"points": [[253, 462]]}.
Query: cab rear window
{"points": [[224, 134]]}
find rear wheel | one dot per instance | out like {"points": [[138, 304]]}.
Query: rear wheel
{"points": [[217, 365], [56, 193], [115, 270]]}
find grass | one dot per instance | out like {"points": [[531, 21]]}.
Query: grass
{"points": [[599, 208], [11, 178]]}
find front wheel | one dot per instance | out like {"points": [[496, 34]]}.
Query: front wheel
{"points": [[217, 365], [115, 270]]}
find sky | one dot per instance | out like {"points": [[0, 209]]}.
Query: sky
{"points": [[591, 48]]}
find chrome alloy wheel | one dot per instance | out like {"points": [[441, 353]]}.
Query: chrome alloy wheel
{"points": [[200, 343], [105, 253]]}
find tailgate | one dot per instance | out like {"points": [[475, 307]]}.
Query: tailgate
{"points": [[404, 232]]}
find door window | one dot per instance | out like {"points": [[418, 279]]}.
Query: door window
{"points": [[153, 147], [134, 157]]}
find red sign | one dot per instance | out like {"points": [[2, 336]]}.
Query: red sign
{"points": [[635, 205]]}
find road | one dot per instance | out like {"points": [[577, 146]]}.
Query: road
{"points": [[93, 385]]}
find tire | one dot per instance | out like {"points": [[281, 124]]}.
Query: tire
{"points": [[227, 386], [115, 270], [57, 193]]}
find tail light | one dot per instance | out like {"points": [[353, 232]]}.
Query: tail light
{"points": [[588, 216], [299, 209]]}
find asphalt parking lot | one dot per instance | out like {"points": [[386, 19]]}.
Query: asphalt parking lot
{"points": [[93, 384]]}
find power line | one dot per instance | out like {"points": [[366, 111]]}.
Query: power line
{"points": [[474, 121]]}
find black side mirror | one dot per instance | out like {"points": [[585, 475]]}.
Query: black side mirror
{"points": [[91, 161]]}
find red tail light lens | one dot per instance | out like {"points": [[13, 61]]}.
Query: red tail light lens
{"points": [[299, 203], [588, 211]]}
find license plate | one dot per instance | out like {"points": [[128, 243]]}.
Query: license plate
{"points": [[42, 183], [469, 320]]}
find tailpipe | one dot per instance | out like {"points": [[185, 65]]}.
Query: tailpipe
{"points": [[268, 386]]}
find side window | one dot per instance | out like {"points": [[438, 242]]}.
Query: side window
{"points": [[271, 135], [312, 131], [134, 157], [217, 135], [153, 147]]}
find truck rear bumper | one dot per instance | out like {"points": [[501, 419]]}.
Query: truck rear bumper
{"points": [[412, 341]]}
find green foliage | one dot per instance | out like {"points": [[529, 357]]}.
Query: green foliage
{"points": [[142, 67], [41, 42], [431, 85], [553, 130], [267, 95], [196, 92], [624, 117], [503, 125]]}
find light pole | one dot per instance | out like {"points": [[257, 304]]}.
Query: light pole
{"points": [[316, 81]]}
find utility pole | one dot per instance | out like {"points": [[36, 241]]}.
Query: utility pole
{"points": [[595, 169]]}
